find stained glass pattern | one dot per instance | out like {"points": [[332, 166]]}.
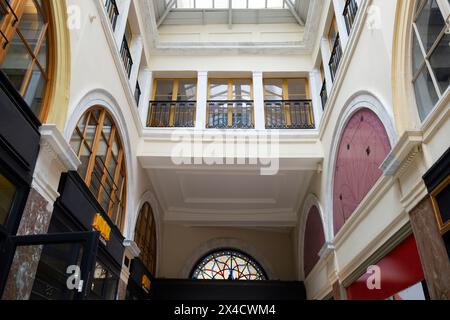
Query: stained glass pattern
{"points": [[228, 265]]}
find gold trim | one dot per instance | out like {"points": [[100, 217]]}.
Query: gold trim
{"points": [[443, 227]]}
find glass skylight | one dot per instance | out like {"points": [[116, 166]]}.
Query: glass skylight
{"points": [[223, 4]]}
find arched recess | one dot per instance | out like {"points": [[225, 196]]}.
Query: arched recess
{"points": [[311, 208], [60, 86], [100, 97], [402, 90], [221, 243], [359, 101], [148, 197]]}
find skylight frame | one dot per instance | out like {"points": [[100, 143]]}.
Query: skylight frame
{"points": [[224, 4]]}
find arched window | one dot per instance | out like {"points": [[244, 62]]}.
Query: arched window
{"points": [[97, 142], [363, 147], [228, 264], [314, 239], [24, 52], [431, 52], [145, 237]]}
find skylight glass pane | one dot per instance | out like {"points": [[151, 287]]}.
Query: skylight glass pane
{"points": [[240, 4], [220, 4], [185, 4], [256, 4], [204, 4], [275, 4]]}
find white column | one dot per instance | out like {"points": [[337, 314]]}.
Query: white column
{"points": [[258, 97], [136, 50], [146, 83], [123, 7], [202, 96], [315, 85], [338, 11], [326, 55]]}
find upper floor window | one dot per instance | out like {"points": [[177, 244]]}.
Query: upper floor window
{"points": [[173, 103], [145, 237], [431, 52], [230, 104], [287, 104], [97, 142], [125, 52], [112, 11], [350, 11], [228, 265], [335, 48], [24, 50]]}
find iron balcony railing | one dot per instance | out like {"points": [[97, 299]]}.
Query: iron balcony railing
{"points": [[230, 114], [289, 114], [350, 11], [324, 94], [126, 56], [112, 11], [336, 56], [172, 114], [137, 93]]}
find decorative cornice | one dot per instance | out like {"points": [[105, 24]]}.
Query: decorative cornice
{"points": [[52, 141], [132, 248], [403, 153]]}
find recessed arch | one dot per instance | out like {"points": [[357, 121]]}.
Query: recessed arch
{"points": [[310, 203], [358, 101], [148, 197]]}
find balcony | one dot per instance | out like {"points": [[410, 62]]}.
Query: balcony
{"points": [[350, 11], [172, 114], [289, 114], [137, 93], [336, 56], [112, 11], [324, 94], [126, 56], [231, 114]]}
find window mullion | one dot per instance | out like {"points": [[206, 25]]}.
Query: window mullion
{"points": [[95, 144], [115, 193]]}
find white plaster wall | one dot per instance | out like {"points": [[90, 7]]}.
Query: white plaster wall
{"points": [[93, 71]]}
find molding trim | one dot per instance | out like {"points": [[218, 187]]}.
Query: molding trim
{"points": [[60, 91], [220, 243]]}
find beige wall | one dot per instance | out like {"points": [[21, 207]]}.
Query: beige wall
{"points": [[181, 244]]}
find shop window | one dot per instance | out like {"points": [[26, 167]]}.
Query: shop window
{"points": [[97, 142], [104, 283], [7, 195], [430, 52], [228, 265], [145, 237], [441, 204], [24, 50]]}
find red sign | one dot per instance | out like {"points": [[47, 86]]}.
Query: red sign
{"points": [[399, 270]]}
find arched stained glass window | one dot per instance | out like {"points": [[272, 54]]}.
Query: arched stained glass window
{"points": [[228, 264], [145, 237]]}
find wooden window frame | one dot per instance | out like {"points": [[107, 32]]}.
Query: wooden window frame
{"points": [[118, 192], [10, 29], [230, 97], [176, 86], [333, 27], [145, 237], [285, 88]]}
